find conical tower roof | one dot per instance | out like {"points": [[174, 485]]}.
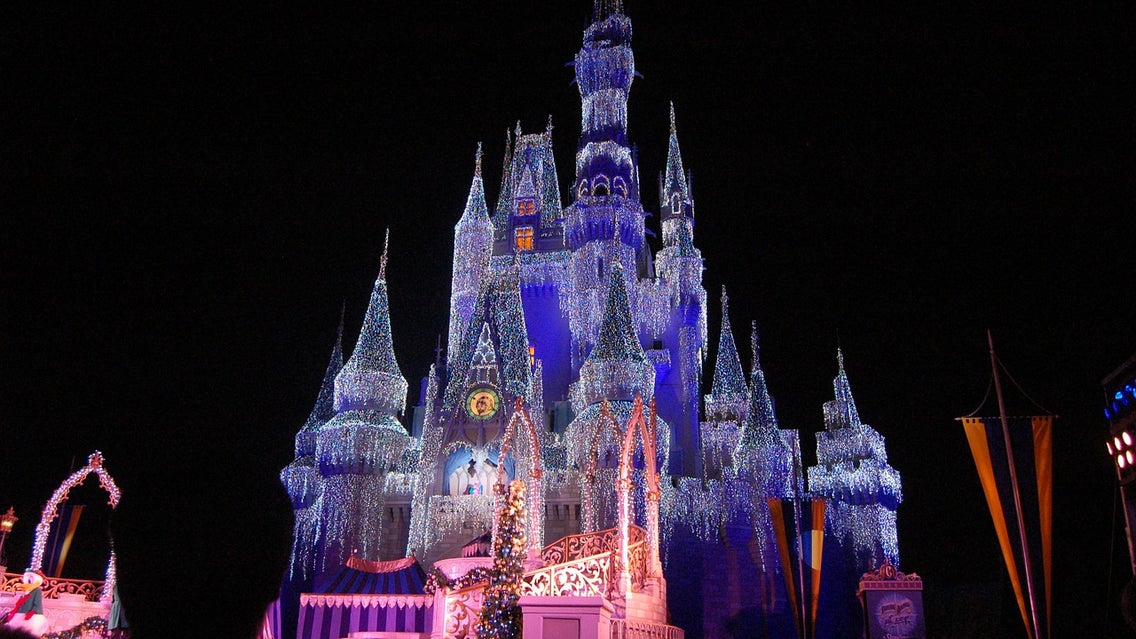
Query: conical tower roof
{"points": [[604, 9], [324, 407], [499, 308], [301, 478], [371, 378], [617, 368], [841, 412], [617, 339], [505, 195], [761, 419], [728, 377], [674, 180], [476, 214]]}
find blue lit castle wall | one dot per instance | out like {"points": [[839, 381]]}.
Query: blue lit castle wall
{"points": [[568, 306]]}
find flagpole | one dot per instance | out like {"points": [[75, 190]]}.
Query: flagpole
{"points": [[805, 630], [1014, 485]]}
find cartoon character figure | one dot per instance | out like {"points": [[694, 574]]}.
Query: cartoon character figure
{"points": [[28, 613]]}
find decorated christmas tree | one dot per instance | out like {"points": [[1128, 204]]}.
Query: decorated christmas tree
{"points": [[500, 616]]}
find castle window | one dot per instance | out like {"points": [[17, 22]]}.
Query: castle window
{"points": [[526, 207], [523, 238], [600, 186], [532, 356], [620, 186]]}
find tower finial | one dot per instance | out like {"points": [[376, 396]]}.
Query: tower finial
{"points": [[477, 167], [518, 129], [548, 127], [673, 130], [603, 9], [383, 259], [754, 344], [342, 315]]}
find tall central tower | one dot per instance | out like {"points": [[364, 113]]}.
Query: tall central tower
{"points": [[604, 223]]}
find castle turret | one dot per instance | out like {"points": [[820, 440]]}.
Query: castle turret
{"points": [[679, 267], [528, 212], [676, 205], [617, 368], [604, 223], [728, 396], [363, 441], [473, 246], [852, 472], [302, 479], [765, 451], [505, 193], [605, 69], [678, 261], [614, 372]]}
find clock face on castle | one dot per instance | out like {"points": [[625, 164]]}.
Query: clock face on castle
{"points": [[482, 403]]}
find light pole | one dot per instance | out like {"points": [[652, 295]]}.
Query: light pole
{"points": [[7, 520]]}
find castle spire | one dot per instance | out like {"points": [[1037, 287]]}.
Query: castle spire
{"points": [[728, 377], [761, 418], [604, 9], [324, 407], [473, 245], [617, 339], [617, 368], [841, 412], [605, 70], [761, 404], [301, 478], [675, 200], [505, 195], [476, 211], [323, 410], [765, 452], [383, 259], [852, 473], [371, 378]]}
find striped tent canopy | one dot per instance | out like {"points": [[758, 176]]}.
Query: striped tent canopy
{"points": [[364, 577]]}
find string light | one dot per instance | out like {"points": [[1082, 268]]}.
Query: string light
{"points": [[500, 616], [51, 508]]}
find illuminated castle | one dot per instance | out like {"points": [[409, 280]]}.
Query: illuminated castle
{"points": [[565, 313]]}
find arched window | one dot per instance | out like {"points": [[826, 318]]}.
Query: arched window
{"points": [[600, 185], [619, 185]]}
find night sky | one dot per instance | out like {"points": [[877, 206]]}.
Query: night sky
{"points": [[190, 195]]}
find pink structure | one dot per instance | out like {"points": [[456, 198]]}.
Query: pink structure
{"points": [[606, 584]]}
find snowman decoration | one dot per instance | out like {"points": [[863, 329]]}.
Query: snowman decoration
{"points": [[27, 615]]}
